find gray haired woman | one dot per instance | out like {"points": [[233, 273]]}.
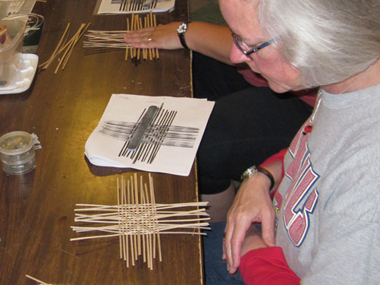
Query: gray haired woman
{"points": [[322, 225]]}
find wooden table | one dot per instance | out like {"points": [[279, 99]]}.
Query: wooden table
{"points": [[37, 209]]}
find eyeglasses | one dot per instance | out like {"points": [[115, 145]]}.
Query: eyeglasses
{"points": [[248, 50]]}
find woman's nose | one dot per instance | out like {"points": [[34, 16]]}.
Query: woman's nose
{"points": [[237, 56]]}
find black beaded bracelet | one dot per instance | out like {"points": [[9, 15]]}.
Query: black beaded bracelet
{"points": [[267, 174]]}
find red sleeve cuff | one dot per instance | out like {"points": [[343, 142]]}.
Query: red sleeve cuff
{"points": [[276, 157], [267, 266]]}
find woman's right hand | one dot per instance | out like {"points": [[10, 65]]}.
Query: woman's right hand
{"points": [[161, 36], [252, 204]]}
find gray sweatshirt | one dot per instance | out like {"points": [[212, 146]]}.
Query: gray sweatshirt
{"points": [[329, 199]]}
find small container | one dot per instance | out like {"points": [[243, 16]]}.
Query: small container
{"points": [[17, 152]]}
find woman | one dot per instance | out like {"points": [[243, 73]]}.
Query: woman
{"points": [[249, 122], [324, 226]]}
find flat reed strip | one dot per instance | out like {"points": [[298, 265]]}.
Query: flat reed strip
{"points": [[66, 47], [39, 282]]}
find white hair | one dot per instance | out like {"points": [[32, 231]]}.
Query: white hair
{"points": [[327, 40]]}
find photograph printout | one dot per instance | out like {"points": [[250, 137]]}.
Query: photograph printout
{"points": [[150, 133]]}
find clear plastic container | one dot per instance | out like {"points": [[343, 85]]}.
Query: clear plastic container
{"points": [[10, 53], [17, 152], [4, 8]]}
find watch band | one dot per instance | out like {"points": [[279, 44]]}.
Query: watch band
{"points": [[181, 34], [253, 170], [267, 174]]}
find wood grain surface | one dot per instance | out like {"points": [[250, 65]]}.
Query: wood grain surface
{"points": [[37, 208]]}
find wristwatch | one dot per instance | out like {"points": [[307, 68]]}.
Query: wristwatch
{"points": [[251, 171], [181, 34]]}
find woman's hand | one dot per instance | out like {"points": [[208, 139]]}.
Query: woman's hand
{"points": [[162, 37], [252, 204], [253, 240], [208, 39]]}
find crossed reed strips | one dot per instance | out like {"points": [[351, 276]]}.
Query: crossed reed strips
{"points": [[138, 221], [103, 41]]}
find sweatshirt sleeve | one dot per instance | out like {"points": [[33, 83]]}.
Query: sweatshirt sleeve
{"points": [[267, 266]]}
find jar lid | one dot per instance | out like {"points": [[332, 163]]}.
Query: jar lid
{"points": [[16, 143]]}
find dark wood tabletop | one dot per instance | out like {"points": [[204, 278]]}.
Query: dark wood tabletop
{"points": [[37, 208]]}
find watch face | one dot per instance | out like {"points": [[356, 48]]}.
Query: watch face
{"points": [[182, 28], [249, 172]]}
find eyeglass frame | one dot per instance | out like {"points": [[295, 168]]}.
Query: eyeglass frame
{"points": [[256, 48]]}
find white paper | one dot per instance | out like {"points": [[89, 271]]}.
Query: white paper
{"points": [[113, 7], [104, 150]]}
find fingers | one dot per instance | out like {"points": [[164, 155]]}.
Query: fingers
{"points": [[231, 243], [161, 36], [268, 228], [227, 252], [148, 30], [234, 236], [141, 40], [138, 36], [236, 241]]}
